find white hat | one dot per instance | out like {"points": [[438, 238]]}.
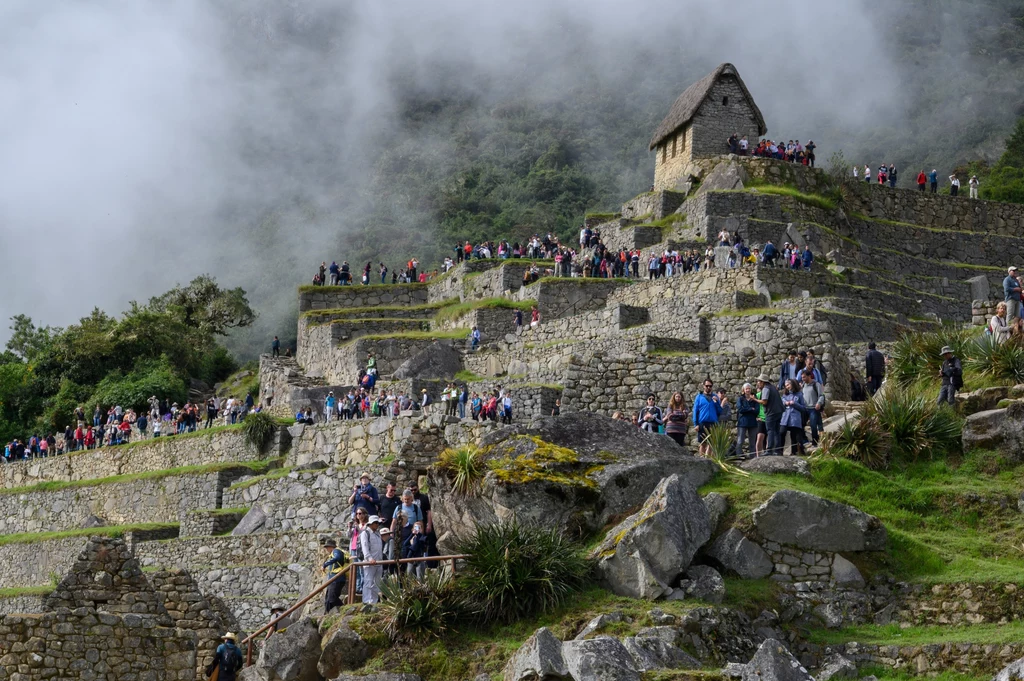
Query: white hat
{"points": [[373, 519], [229, 635], [1011, 268]]}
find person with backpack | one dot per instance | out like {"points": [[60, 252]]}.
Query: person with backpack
{"points": [[814, 399], [332, 567], [227, 660], [952, 375]]}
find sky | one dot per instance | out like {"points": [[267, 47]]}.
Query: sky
{"points": [[144, 142]]}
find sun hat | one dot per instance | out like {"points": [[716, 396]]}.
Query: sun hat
{"points": [[385, 530], [373, 519], [366, 475], [946, 349], [330, 543], [1011, 268], [764, 378], [228, 635]]}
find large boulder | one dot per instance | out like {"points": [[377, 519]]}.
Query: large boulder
{"points": [[726, 176], [718, 507], [735, 553], [981, 400], [999, 429], [343, 649], [439, 360], [291, 655], [836, 667], [778, 465], [601, 658], [252, 521], [656, 543], [815, 524], [703, 583], [1012, 672], [774, 662], [540, 657], [577, 471], [653, 652]]}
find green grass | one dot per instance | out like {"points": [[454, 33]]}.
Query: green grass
{"points": [[382, 309], [745, 312], [457, 310], [602, 216], [54, 485], [466, 376], [670, 220], [415, 335], [892, 634], [15, 592], [112, 531], [815, 200], [272, 475], [936, 534]]}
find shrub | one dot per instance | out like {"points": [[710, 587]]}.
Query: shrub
{"points": [[1001, 361], [154, 377], [862, 440], [258, 429], [411, 609], [902, 415], [463, 466], [515, 570], [915, 355]]}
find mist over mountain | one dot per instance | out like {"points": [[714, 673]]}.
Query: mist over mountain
{"points": [[150, 143]]}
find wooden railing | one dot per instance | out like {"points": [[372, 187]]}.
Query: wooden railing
{"points": [[271, 626]]}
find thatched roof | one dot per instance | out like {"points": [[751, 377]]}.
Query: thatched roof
{"points": [[687, 104]]}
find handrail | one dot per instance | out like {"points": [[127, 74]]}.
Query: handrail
{"points": [[247, 641]]}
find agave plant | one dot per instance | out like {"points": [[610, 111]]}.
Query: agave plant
{"points": [[464, 467], [720, 441], [414, 609], [862, 440], [903, 416], [1001, 361], [258, 429]]}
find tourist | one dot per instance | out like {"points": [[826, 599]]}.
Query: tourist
{"points": [[517, 320], [506, 408], [364, 496], [867, 173], [332, 567], [819, 368], [557, 409], [423, 501], [773, 407], [534, 317], [463, 400], [426, 401], [856, 172], [791, 368], [814, 399], [372, 548], [355, 528], [474, 338], [675, 419], [227, 659], [954, 185], [811, 146], [874, 368], [952, 375], [856, 389], [390, 551], [407, 514], [883, 174], [793, 416], [933, 180], [921, 181], [892, 175], [275, 348], [997, 326], [973, 184], [650, 416], [706, 411], [1012, 293], [747, 409], [416, 547]]}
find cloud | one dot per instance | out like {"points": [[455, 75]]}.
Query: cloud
{"points": [[145, 143]]}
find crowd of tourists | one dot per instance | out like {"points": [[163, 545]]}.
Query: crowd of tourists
{"points": [[382, 527], [887, 174], [116, 426]]}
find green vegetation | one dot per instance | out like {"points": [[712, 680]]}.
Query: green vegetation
{"points": [[467, 376], [244, 381], [463, 466], [417, 335], [413, 610], [153, 349], [516, 570], [894, 635], [1006, 181], [815, 200], [747, 311], [112, 531], [258, 430], [15, 592], [457, 310], [256, 467], [936, 533], [915, 358], [273, 474], [604, 217]]}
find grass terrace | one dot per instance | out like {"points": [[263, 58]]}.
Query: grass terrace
{"points": [[111, 531], [257, 467], [310, 288], [453, 312]]}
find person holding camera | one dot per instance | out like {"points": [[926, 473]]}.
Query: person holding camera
{"points": [[364, 496]]}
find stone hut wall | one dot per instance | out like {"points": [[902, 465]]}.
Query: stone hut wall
{"points": [[716, 119], [651, 206], [672, 170], [106, 647], [333, 297]]}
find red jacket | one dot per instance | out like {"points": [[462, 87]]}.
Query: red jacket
{"points": [[921, 179]]}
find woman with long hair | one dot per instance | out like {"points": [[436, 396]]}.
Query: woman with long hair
{"points": [[675, 419]]}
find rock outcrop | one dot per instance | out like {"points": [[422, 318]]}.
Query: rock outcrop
{"points": [[602, 658], [342, 650], [575, 471], [737, 554], [291, 655], [815, 524], [1011, 672], [998, 429], [645, 554], [774, 662], [703, 583], [540, 657], [440, 360]]}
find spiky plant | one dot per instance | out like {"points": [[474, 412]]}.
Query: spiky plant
{"points": [[862, 440], [463, 466], [411, 609], [258, 429]]}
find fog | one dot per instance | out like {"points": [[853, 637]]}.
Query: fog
{"points": [[145, 143]]}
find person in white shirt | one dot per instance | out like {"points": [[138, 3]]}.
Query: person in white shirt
{"points": [[856, 173], [954, 185], [867, 173], [744, 145], [998, 326], [974, 186]]}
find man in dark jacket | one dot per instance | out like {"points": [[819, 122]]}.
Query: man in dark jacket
{"points": [[874, 368], [228, 659], [771, 400], [952, 374]]}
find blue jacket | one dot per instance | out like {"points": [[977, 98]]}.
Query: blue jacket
{"points": [[808, 258], [933, 177], [785, 372], [1009, 283], [746, 412], [706, 410], [795, 409]]}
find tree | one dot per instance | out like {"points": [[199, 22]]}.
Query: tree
{"points": [[27, 340], [205, 306]]}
